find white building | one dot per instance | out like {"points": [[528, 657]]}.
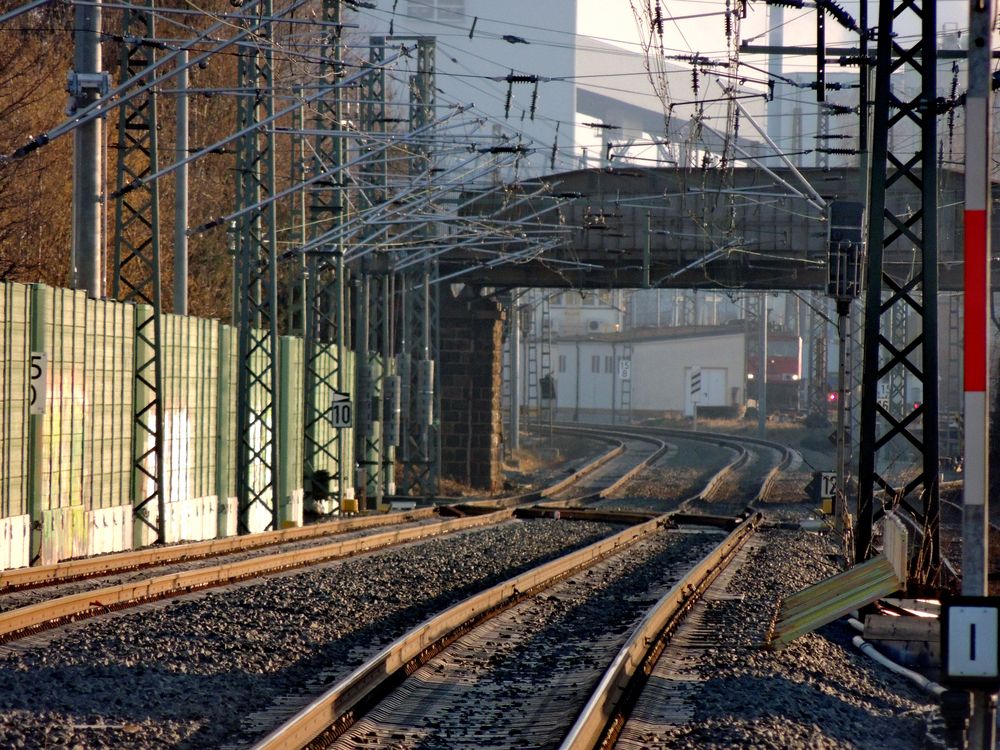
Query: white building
{"points": [[668, 371], [593, 100]]}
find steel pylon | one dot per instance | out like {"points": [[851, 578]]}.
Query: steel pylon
{"points": [[136, 274], [326, 290], [257, 459], [914, 487]]}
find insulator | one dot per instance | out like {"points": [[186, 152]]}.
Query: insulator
{"points": [[391, 400], [694, 81], [836, 110], [425, 392], [843, 17], [658, 20]]}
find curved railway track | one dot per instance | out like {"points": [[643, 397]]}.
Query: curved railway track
{"points": [[428, 686], [632, 451]]}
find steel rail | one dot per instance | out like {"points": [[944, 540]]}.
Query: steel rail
{"points": [[733, 442], [22, 621], [18, 622], [709, 487], [601, 720], [335, 710], [661, 449], [332, 713], [89, 567]]}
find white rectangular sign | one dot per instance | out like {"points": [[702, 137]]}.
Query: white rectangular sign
{"points": [[37, 389], [828, 484], [972, 642], [341, 410], [625, 369]]}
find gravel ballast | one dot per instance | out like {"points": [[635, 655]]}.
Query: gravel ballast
{"points": [[520, 679], [187, 674], [819, 692]]}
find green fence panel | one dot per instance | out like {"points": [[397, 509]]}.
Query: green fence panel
{"points": [[63, 315], [325, 364], [190, 391], [291, 436], [81, 445], [15, 360], [225, 420], [108, 373], [347, 435]]}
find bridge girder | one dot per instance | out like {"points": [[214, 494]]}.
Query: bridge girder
{"points": [[708, 228]]}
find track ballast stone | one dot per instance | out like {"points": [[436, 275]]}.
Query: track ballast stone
{"points": [[188, 673], [819, 692]]}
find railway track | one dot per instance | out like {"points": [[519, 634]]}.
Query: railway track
{"points": [[519, 678], [951, 536], [531, 665], [34, 599], [744, 480], [324, 617]]}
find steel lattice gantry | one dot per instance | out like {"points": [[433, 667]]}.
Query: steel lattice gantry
{"points": [[377, 429], [326, 373], [137, 265], [257, 464], [418, 344], [883, 428]]}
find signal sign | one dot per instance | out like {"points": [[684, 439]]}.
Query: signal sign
{"points": [[37, 382], [341, 411]]}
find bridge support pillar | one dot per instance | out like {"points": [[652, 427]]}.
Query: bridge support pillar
{"points": [[471, 357]]}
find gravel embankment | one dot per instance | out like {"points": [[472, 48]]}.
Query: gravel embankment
{"points": [[187, 674], [819, 692]]}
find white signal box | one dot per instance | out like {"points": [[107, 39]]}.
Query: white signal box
{"points": [[970, 632]]}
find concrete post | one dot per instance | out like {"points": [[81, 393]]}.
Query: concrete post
{"points": [[181, 191], [515, 380], [86, 87]]}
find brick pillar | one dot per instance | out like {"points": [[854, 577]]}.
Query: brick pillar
{"points": [[470, 369]]}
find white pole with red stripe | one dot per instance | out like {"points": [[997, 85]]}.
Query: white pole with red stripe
{"points": [[975, 506], [977, 291]]}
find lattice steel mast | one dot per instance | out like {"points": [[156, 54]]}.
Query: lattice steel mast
{"points": [[325, 351], [916, 293], [257, 460], [136, 275], [420, 454]]}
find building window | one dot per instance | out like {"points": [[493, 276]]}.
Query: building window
{"points": [[422, 9], [441, 10], [562, 363], [451, 10], [607, 364], [595, 363]]}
